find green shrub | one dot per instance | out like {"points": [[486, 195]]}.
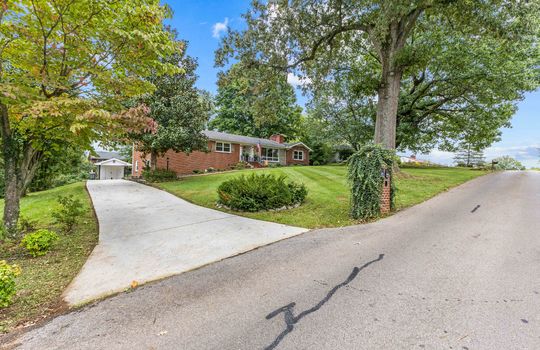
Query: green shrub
{"points": [[197, 171], [364, 175], [241, 165], [260, 192], [40, 242], [26, 224], [8, 273], [158, 175], [68, 213]]}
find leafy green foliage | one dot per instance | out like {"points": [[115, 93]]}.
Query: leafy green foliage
{"points": [[508, 163], [26, 224], [158, 175], [39, 242], [66, 70], [8, 273], [321, 154], [68, 213], [242, 108], [178, 108], [416, 74], [258, 192], [67, 167], [366, 181]]}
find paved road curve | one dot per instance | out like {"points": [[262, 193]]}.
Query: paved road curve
{"points": [[461, 271]]}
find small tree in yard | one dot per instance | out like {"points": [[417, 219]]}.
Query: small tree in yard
{"points": [[66, 68], [178, 108], [468, 156], [68, 213]]}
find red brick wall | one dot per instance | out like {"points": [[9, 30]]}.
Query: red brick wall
{"points": [[385, 197], [182, 163], [290, 153], [278, 138]]}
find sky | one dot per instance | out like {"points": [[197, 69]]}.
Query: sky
{"points": [[203, 23]]}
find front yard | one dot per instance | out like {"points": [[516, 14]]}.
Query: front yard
{"points": [[44, 278], [327, 203]]}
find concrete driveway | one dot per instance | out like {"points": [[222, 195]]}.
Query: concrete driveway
{"points": [[147, 234]]}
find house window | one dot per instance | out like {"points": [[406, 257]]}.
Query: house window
{"points": [[270, 154], [223, 147], [298, 155]]}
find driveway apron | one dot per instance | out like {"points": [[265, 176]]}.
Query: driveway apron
{"points": [[147, 234]]}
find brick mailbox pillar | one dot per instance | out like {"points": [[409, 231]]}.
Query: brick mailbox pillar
{"points": [[385, 194]]}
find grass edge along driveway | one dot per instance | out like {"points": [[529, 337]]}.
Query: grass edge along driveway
{"points": [[44, 278], [327, 203]]}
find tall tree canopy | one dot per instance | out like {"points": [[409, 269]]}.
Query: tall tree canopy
{"points": [[179, 109], [390, 47], [66, 68], [242, 105], [460, 89]]}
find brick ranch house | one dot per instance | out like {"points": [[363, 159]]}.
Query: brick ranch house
{"points": [[226, 150]]}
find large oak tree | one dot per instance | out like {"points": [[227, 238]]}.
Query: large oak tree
{"points": [[316, 38]]}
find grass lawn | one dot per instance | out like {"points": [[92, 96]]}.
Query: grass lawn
{"points": [[327, 203], [44, 278]]}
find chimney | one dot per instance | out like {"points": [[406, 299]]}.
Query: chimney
{"points": [[278, 138]]}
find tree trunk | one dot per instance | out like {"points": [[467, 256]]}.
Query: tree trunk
{"points": [[12, 196], [153, 160], [20, 165], [387, 105], [12, 193]]}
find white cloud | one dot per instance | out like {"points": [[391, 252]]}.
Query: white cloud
{"points": [[296, 81], [220, 27]]}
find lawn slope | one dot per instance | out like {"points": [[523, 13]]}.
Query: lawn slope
{"points": [[327, 203], [44, 278]]}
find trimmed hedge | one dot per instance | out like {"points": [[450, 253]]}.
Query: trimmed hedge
{"points": [[258, 192], [159, 175]]}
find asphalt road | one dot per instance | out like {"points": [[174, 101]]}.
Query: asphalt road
{"points": [[460, 271]]}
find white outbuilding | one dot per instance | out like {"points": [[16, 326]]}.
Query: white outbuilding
{"points": [[111, 169]]}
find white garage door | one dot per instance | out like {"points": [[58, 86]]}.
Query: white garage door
{"points": [[108, 172]]}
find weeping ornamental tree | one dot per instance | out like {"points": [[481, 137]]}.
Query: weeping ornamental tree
{"points": [[366, 180]]}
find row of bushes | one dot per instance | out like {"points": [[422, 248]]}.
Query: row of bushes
{"points": [[258, 192], [38, 242], [160, 175]]}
